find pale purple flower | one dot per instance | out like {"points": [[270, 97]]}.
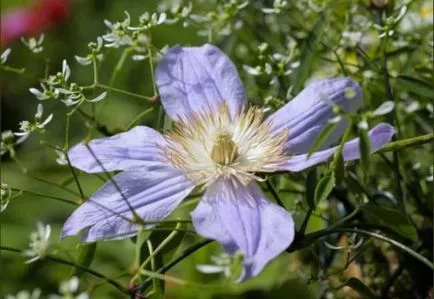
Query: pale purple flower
{"points": [[220, 144]]}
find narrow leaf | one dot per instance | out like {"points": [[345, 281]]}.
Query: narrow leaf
{"points": [[392, 219], [310, 188], [308, 52], [322, 137], [87, 252], [339, 171], [416, 86], [361, 288], [324, 187], [365, 149]]}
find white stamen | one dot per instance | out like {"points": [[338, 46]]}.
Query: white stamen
{"points": [[213, 144]]}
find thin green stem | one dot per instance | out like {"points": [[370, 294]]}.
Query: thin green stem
{"points": [[338, 152], [72, 264], [12, 69], [45, 196], [274, 192], [160, 247], [151, 65], [68, 121], [137, 118], [394, 119], [317, 235], [175, 261], [303, 226], [77, 182], [406, 143], [118, 90]]}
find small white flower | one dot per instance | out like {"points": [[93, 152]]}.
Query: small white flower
{"points": [[222, 264], [384, 108], [363, 125], [278, 5], [83, 60], [61, 158], [6, 194], [4, 56], [254, 71], [98, 98], [25, 295], [33, 44], [68, 288], [27, 127], [39, 243], [66, 71]]}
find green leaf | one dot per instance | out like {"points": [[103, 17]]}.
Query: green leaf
{"points": [[323, 136], [392, 219], [308, 52], [416, 86], [87, 252], [163, 256], [324, 187], [311, 181], [339, 171], [361, 288], [365, 149]]}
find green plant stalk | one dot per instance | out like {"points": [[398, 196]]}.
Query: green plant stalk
{"points": [[310, 238], [72, 264], [405, 143]]}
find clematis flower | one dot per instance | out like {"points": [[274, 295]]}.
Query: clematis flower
{"points": [[217, 143]]}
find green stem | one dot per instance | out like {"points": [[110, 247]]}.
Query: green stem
{"points": [[45, 196], [110, 88], [181, 257], [160, 247], [274, 192], [405, 143], [13, 70], [72, 264], [338, 152], [133, 122], [317, 235], [151, 64]]}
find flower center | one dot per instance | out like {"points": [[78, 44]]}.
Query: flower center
{"points": [[213, 144], [224, 150]]}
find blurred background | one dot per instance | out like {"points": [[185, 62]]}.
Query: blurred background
{"points": [[69, 26]]}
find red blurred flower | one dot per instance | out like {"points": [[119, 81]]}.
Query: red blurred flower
{"points": [[41, 16]]}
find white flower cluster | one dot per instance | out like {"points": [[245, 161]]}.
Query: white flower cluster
{"points": [[278, 6], [219, 20], [24, 294], [27, 127], [9, 141], [58, 87], [4, 56], [95, 52], [274, 64], [178, 13], [229, 265], [34, 45], [68, 290], [39, 243], [6, 194], [388, 29]]}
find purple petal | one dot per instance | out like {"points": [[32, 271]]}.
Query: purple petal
{"points": [[139, 147], [242, 219], [379, 136], [307, 114], [196, 79], [152, 194]]}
